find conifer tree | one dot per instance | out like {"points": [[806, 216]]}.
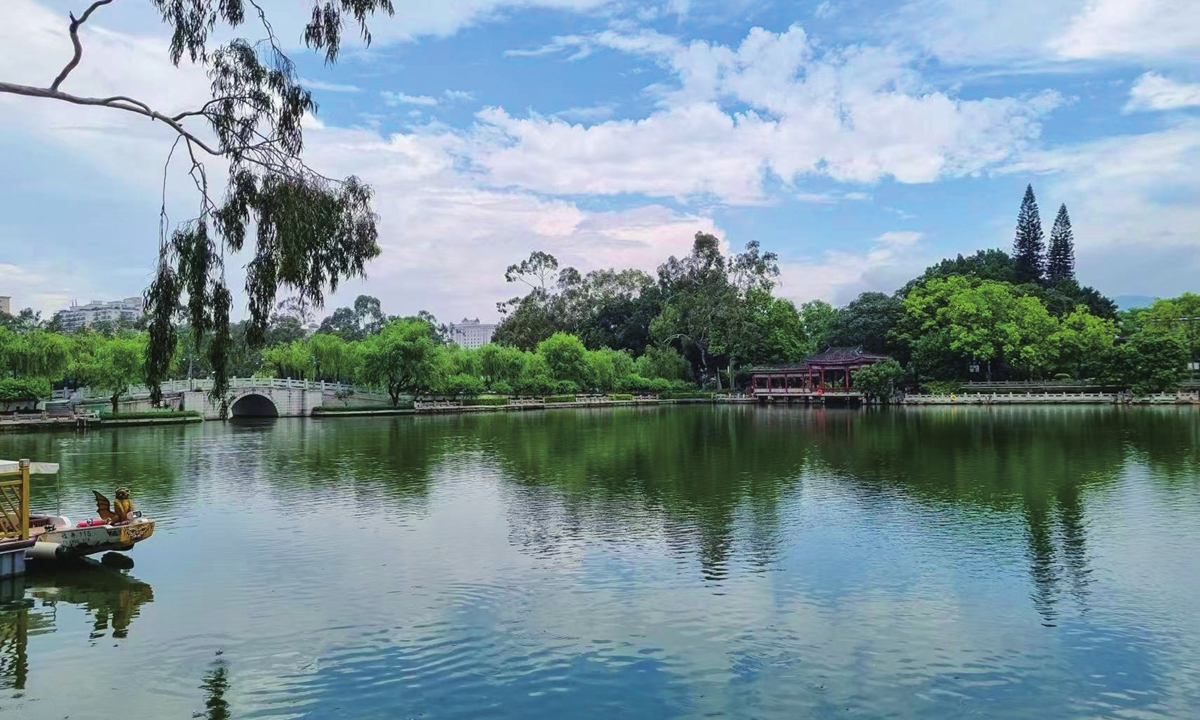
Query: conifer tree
{"points": [[1029, 246], [1060, 263]]}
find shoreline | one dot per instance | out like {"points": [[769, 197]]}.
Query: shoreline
{"points": [[912, 401]]}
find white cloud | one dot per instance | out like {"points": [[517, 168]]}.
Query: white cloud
{"points": [[458, 95], [839, 276], [1135, 207], [1134, 29], [898, 238], [393, 99], [826, 10], [446, 239], [1034, 33], [1155, 92], [328, 86], [856, 114], [594, 113]]}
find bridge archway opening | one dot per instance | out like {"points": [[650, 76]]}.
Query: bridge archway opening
{"points": [[254, 405]]}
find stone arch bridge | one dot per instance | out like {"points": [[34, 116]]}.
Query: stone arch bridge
{"points": [[275, 397], [249, 397]]}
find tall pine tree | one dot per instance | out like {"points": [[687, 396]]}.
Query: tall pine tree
{"points": [[1029, 246], [1060, 264]]}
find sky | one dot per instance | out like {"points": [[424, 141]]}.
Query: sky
{"points": [[860, 140]]}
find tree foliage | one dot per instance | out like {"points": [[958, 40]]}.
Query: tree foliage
{"points": [[1029, 247], [309, 232], [1060, 260], [881, 381], [113, 366], [403, 359]]}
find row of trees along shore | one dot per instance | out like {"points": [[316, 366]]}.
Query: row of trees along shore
{"points": [[699, 322]]}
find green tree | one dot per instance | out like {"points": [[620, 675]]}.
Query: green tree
{"points": [[1178, 318], [1029, 247], [21, 389], [816, 319], [566, 357], [700, 296], [293, 360], [984, 265], [311, 232], [403, 358], [1084, 342], [1151, 363], [661, 362], [1060, 261], [536, 378], [867, 321], [781, 334], [117, 364], [500, 364], [34, 353], [355, 323], [881, 381], [333, 358]]}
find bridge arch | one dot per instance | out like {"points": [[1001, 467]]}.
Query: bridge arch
{"points": [[253, 404]]}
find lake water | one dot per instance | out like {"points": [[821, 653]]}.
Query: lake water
{"points": [[676, 562]]}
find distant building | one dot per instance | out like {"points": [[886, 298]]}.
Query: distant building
{"points": [[471, 333], [78, 316], [5, 304]]}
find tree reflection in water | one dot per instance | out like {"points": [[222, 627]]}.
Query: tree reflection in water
{"points": [[29, 605], [215, 685], [714, 480]]}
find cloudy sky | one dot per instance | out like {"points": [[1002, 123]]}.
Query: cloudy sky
{"points": [[860, 140]]}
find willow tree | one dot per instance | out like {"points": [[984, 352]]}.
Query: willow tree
{"points": [[309, 231]]}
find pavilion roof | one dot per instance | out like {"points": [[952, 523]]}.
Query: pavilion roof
{"points": [[838, 355], [828, 356]]}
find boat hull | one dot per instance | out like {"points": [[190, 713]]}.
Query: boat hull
{"points": [[77, 542]]}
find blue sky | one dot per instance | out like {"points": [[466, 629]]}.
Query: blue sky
{"points": [[860, 140]]}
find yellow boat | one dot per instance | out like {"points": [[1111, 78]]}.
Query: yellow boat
{"points": [[118, 529]]}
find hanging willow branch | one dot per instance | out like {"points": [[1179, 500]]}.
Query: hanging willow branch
{"points": [[309, 232]]}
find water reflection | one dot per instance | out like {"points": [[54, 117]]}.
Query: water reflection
{"points": [[215, 685], [29, 606], [673, 562]]}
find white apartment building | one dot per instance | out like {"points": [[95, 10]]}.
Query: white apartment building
{"points": [[78, 316], [5, 304], [471, 333]]}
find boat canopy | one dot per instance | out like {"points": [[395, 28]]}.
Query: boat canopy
{"points": [[9, 467]]}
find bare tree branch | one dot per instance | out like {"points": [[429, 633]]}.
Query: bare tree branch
{"points": [[75, 41], [117, 102]]}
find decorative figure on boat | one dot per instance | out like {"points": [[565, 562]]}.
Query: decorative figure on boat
{"points": [[120, 511]]}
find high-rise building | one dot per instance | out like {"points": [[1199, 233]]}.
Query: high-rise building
{"points": [[78, 316], [5, 304], [471, 333]]}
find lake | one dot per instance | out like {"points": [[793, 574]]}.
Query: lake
{"points": [[673, 562]]}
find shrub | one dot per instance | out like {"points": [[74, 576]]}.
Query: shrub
{"points": [[566, 387], [620, 396], [501, 387], [560, 398], [941, 387], [462, 385], [16, 389], [485, 401]]}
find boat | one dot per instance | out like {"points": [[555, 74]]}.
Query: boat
{"points": [[118, 529]]}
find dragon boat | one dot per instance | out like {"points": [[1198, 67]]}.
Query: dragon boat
{"points": [[118, 528]]}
